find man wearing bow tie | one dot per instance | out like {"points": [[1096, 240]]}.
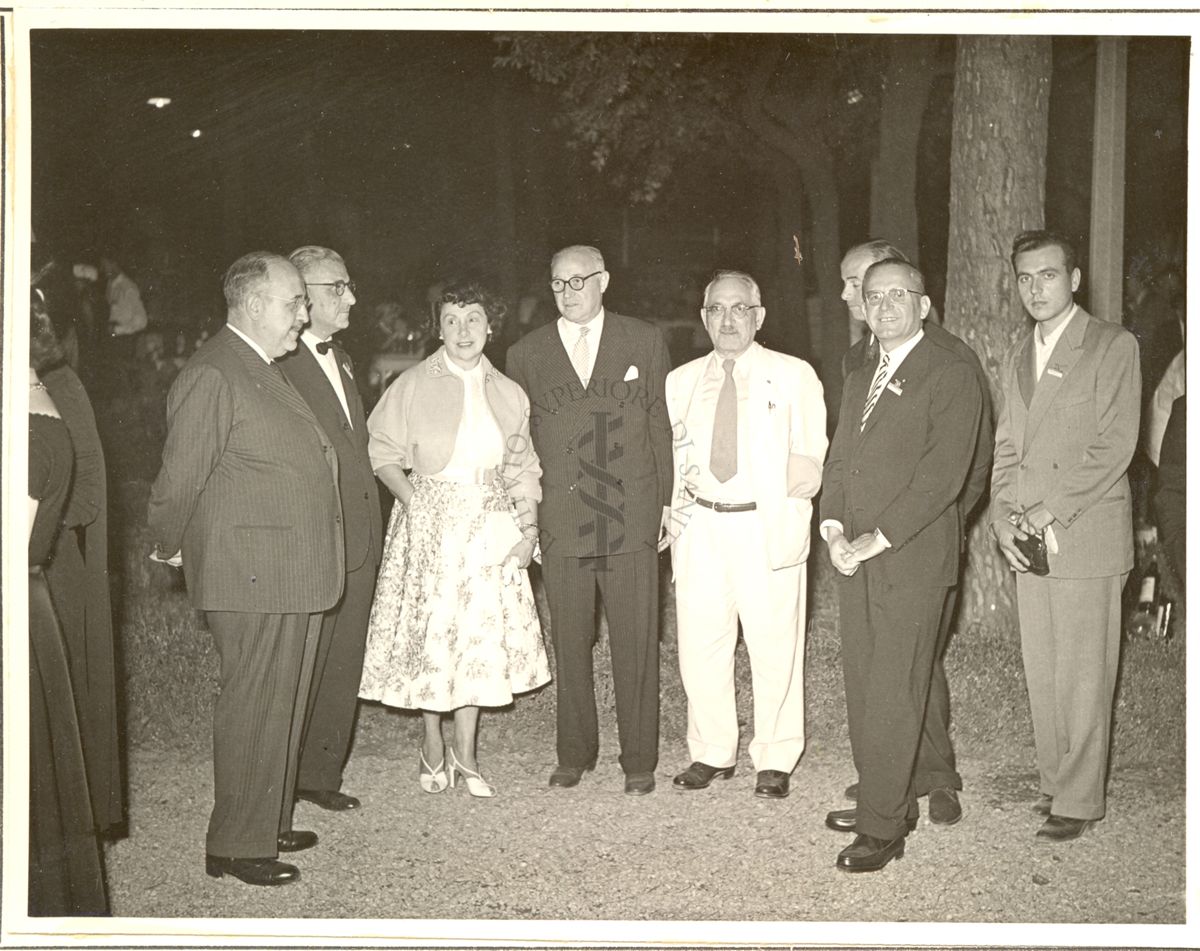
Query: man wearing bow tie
{"points": [[1066, 434], [748, 428], [903, 448], [247, 498], [322, 373], [599, 425], [936, 775]]}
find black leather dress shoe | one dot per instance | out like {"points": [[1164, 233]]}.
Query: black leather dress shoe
{"points": [[1063, 828], [252, 871], [772, 784], [701, 775], [852, 792], [567, 776], [843, 820], [296, 841], [868, 854], [329, 799], [944, 807], [639, 784], [1044, 806]]}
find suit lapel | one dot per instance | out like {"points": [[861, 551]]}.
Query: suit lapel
{"points": [[1025, 381], [1062, 360], [611, 357], [269, 377], [913, 368]]}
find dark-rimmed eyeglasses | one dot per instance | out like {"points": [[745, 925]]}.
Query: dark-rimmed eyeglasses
{"points": [[739, 311], [558, 285], [298, 303], [339, 287], [896, 295]]}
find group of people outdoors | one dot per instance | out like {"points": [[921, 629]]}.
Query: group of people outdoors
{"points": [[591, 455]]}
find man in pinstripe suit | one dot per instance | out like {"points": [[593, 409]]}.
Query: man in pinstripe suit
{"points": [[247, 500], [598, 418]]}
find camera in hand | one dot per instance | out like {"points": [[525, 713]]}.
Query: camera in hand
{"points": [[1033, 547]]}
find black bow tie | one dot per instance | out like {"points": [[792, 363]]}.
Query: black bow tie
{"points": [[323, 346]]}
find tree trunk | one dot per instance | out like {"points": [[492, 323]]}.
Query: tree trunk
{"points": [[998, 175]]}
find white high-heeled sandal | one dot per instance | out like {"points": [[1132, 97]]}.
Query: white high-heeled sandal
{"points": [[433, 780], [477, 786]]}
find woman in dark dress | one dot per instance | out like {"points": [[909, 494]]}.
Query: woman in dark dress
{"points": [[65, 871]]}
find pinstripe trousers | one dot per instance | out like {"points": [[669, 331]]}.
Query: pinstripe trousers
{"points": [[266, 668]]}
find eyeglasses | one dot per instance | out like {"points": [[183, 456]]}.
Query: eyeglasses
{"points": [[298, 303], [897, 295], [339, 287], [558, 285], [739, 311]]}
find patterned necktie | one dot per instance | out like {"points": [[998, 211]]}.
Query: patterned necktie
{"points": [[722, 461], [876, 389], [579, 356]]}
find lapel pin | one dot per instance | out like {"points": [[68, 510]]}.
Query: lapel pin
{"points": [[1054, 371]]}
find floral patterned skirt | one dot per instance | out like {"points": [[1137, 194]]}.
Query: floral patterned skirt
{"points": [[446, 629]]}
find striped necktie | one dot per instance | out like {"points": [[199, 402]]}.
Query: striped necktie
{"points": [[579, 356], [876, 389]]}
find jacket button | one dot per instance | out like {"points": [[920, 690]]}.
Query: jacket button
{"points": [[854, 472], [571, 488], [367, 496], [253, 579], [338, 519], [570, 451]]}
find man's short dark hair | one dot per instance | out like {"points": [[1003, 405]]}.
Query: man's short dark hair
{"points": [[1041, 238], [245, 274]]}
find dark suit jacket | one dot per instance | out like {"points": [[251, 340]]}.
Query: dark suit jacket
{"points": [[248, 487], [362, 525], [866, 351], [904, 472], [606, 451], [1066, 441], [1170, 496]]}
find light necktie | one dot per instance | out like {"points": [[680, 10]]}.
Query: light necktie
{"points": [[876, 389], [722, 460], [579, 356]]}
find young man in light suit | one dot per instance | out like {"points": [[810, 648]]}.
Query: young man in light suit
{"points": [[247, 500], [748, 428], [321, 371], [599, 424], [1064, 440]]}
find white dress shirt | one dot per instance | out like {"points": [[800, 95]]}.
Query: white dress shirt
{"points": [[1044, 346], [327, 361], [568, 332], [478, 444]]}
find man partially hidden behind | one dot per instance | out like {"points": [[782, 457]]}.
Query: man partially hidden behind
{"points": [[321, 371], [599, 424], [247, 497], [936, 775], [749, 439], [901, 454], [1066, 434]]}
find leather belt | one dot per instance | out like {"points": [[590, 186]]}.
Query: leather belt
{"points": [[724, 506]]}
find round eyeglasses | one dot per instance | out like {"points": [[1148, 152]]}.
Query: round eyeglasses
{"points": [[339, 287], [896, 295], [558, 285]]}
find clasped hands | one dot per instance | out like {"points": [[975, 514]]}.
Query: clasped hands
{"points": [[848, 555], [1019, 526]]}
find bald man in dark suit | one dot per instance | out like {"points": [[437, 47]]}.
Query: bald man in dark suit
{"points": [[247, 499]]}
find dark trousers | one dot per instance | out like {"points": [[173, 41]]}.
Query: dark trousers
{"points": [[890, 636], [628, 586], [935, 755], [266, 666], [333, 695]]}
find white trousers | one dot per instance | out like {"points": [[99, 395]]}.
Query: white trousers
{"points": [[721, 575]]}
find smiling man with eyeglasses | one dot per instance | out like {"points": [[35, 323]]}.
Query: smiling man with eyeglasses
{"points": [[599, 425], [323, 374]]}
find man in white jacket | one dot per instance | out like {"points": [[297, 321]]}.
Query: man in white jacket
{"points": [[748, 432]]}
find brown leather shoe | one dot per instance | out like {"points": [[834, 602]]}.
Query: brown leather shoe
{"points": [[1063, 828], [772, 784], [567, 776], [868, 854], [701, 775], [296, 841], [252, 871], [944, 807], [639, 784], [329, 799]]}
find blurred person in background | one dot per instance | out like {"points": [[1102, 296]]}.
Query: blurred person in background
{"points": [[66, 874], [454, 626], [1170, 497]]}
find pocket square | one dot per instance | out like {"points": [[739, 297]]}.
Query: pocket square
{"points": [[631, 374]]}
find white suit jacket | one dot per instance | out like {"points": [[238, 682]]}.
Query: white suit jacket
{"points": [[786, 417]]}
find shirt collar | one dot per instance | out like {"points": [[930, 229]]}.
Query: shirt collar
{"points": [[595, 326], [1050, 339], [741, 363], [255, 347], [897, 354]]}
